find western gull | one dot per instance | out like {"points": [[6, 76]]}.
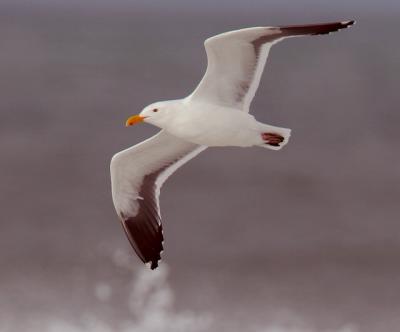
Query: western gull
{"points": [[215, 114]]}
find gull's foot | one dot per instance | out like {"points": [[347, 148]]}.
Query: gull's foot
{"points": [[272, 139]]}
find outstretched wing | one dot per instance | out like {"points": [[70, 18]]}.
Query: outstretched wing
{"points": [[137, 175], [236, 60]]}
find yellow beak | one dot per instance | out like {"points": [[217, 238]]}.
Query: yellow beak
{"points": [[134, 119]]}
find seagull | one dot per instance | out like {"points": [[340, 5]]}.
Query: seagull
{"points": [[215, 114]]}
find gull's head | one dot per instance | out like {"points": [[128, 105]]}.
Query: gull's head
{"points": [[155, 114]]}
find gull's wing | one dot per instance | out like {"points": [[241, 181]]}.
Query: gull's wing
{"points": [[236, 61], [137, 175]]}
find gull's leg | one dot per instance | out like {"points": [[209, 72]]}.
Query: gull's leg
{"points": [[272, 138]]}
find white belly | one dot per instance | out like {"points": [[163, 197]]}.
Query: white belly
{"points": [[216, 126]]}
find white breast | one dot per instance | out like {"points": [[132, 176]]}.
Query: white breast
{"points": [[212, 125]]}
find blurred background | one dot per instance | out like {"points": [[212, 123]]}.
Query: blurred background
{"points": [[304, 240]]}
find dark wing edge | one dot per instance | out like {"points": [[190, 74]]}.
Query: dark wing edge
{"points": [[315, 29], [144, 230], [300, 30]]}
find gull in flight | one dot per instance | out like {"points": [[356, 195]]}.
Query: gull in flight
{"points": [[215, 114]]}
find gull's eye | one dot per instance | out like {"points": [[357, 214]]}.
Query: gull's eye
{"points": [[155, 110]]}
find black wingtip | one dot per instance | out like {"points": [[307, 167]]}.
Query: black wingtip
{"points": [[347, 24], [154, 265], [146, 238], [315, 29]]}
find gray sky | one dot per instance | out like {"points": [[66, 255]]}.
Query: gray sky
{"points": [[358, 5], [310, 234]]}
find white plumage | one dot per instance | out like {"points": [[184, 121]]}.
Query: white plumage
{"points": [[215, 114]]}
